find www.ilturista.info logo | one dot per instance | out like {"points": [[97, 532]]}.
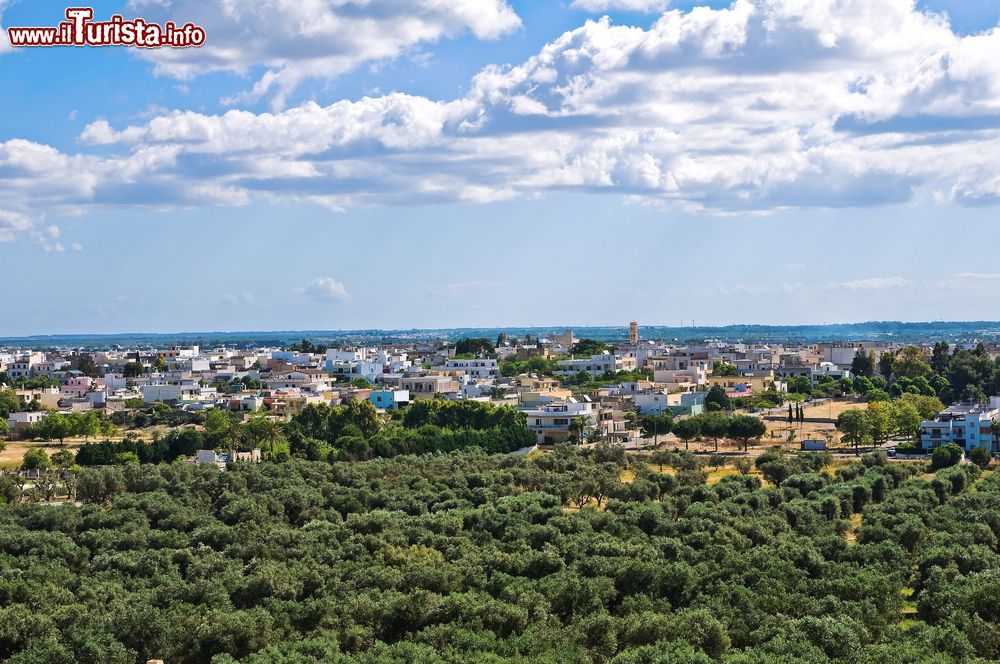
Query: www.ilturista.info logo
{"points": [[80, 30]]}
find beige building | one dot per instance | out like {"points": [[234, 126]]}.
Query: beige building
{"points": [[760, 381], [425, 387], [552, 423]]}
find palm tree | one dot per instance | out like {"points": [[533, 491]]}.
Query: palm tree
{"points": [[577, 427], [236, 435], [266, 432]]}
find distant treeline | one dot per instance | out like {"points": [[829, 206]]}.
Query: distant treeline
{"points": [[893, 331]]}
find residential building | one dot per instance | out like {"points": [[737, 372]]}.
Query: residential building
{"points": [[47, 397], [473, 368], [17, 422], [758, 381], [612, 424], [177, 391], [552, 423], [566, 339], [596, 365], [656, 402], [307, 380], [24, 365], [967, 425], [536, 398], [232, 456], [389, 399], [425, 387], [77, 386], [287, 403]]}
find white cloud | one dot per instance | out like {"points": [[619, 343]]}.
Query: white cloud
{"points": [[765, 105], [48, 239], [4, 41], [301, 39], [324, 289], [11, 224], [242, 298], [872, 283], [647, 6]]}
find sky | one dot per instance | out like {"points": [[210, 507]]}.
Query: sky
{"points": [[357, 164]]}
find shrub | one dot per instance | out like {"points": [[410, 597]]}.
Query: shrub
{"points": [[35, 459], [981, 456], [945, 456]]}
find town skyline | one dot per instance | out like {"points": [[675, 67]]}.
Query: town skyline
{"points": [[968, 333]]}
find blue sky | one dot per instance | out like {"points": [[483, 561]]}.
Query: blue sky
{"points": [[760, 167]]}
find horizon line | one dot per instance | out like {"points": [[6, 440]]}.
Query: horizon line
{"points": [[562, 326]]}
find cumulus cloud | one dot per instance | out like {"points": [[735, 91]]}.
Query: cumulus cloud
{"points": [[324, 289], [12, 223], [647, 6], [300, 39], [242, 298], [36, 178], [4, 41], [48, 239], [761, 106]]}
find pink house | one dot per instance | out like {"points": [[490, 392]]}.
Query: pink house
{"points": [[77, 387]]}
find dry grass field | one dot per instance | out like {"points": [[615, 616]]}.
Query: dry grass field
{"points": [[778, 432], [13, 453]]}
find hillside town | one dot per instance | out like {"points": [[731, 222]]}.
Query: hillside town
{"points": [[568, 389]]}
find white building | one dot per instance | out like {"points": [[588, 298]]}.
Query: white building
{"points": [[17, 422], [182, 351], [232, 456], [552, 423], [177, 391], [307, 380], [829, 370], [596, 365], [657, 402], [24, 365], [476, 368]]}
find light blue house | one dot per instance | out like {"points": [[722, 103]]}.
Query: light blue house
{"points": [[389, 399], [967, 425]]}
